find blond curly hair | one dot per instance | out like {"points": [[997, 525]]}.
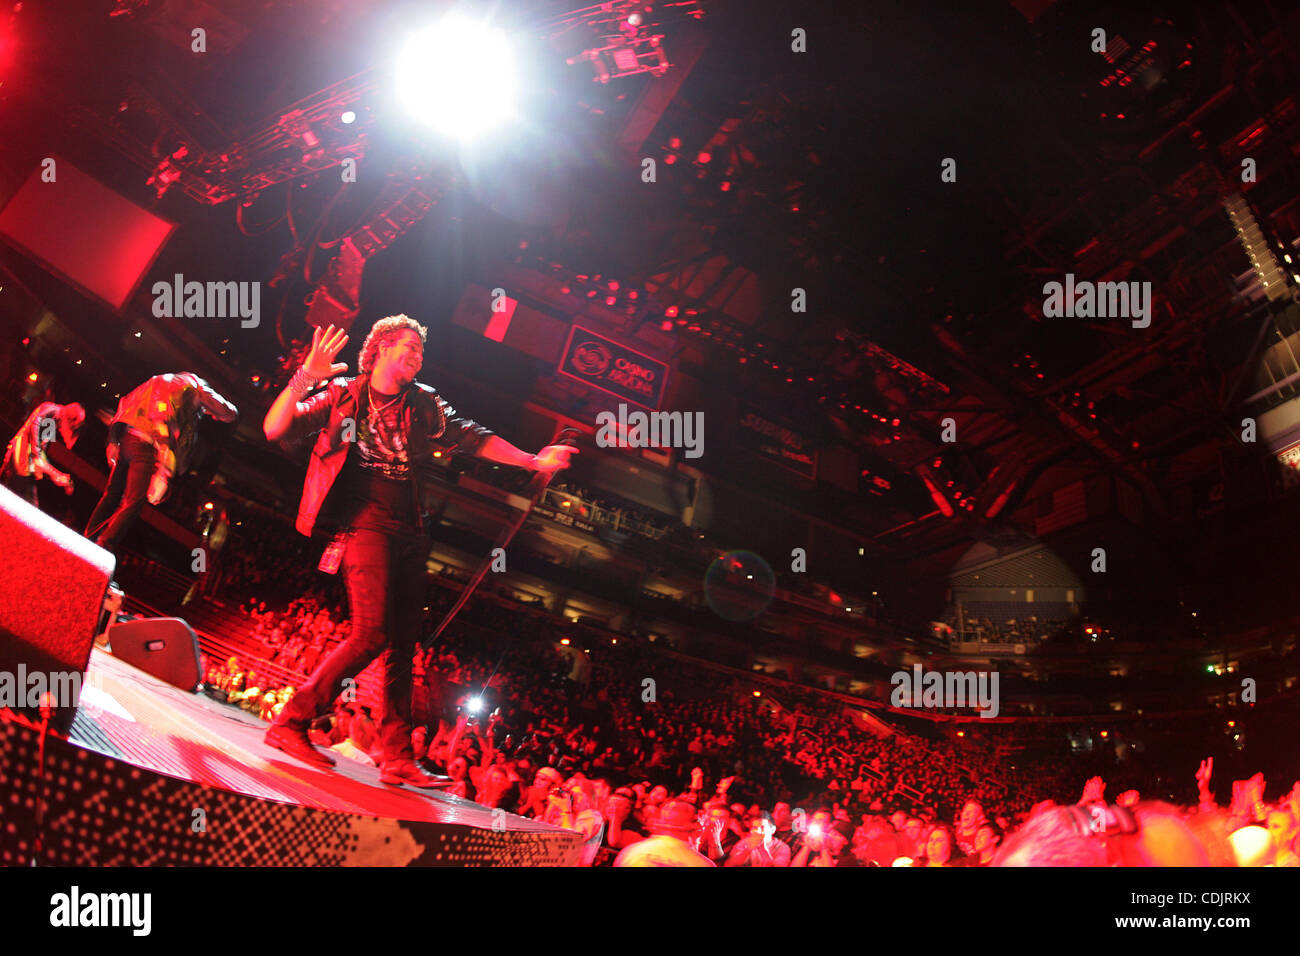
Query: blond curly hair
{"points": [[382, 333]]}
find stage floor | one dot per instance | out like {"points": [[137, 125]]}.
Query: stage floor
{"points": [[131, 716], [153, 776]]}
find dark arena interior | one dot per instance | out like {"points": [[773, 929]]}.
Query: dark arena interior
{"points": [[701, 433]]}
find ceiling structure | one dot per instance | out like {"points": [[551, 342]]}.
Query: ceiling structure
{"points": [[820, 171]]}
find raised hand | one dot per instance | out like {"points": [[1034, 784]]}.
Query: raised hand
{"points": [[1255, 789], [1093, 791], [325, 346], [1204, 772]]}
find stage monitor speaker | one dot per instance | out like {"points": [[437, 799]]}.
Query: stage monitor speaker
{"points": [[165, 647], [52, 587]]}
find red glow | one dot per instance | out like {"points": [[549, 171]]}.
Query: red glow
{"points": [[670, 159], [666, 325], [32, 377], [499, 322], [703, 158], [671, 312]]}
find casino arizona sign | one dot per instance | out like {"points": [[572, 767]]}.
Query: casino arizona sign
{"points": [[611, 367]]}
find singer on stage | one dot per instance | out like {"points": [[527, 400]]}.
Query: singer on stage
{"points": [[368, 485]]}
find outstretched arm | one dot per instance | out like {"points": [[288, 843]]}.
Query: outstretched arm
{"points": [[552, 458]]}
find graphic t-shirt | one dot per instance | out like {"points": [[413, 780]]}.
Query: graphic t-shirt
{"points": [[376, 480]]}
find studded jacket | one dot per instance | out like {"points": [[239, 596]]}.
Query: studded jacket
{"points": [[332, 415]]}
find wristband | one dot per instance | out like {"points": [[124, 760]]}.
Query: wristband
{"points": [[302, 382]]}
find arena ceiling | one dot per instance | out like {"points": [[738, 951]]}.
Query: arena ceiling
{"points": [[925, 296]]}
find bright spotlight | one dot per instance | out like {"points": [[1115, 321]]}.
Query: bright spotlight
{"points": [[458, 76], [348, 117], [475, 704]]}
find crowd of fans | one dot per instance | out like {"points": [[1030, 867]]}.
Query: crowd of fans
{"points": [[524, 711], [1024, 630], [573, 735], [246, 688]]}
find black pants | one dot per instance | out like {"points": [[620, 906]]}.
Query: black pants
{"points": [[386, 581], [125, 493]]}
